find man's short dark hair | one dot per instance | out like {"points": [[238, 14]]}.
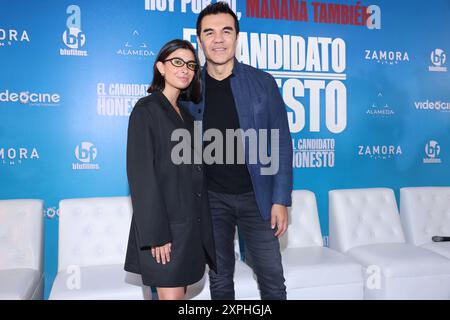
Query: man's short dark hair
{"points": [[216, 8]]}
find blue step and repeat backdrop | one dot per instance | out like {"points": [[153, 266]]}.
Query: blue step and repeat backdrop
{"points": [[366, 87]]}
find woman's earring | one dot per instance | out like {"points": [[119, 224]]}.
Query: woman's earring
{"points": [[163, 74]]}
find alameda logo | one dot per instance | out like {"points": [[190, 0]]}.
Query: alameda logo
{"points": [[380, 107], [135, 47]]}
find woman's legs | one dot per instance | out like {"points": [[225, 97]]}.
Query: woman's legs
{"points": [[171, 293]]}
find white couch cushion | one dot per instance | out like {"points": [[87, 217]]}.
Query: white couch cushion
{"points": [[347, 291], [93, 231], [18, 284], [359, 217], [318, 266], [401, 260], [107, 282], [310, 269], [21, 234], [304, 225], [425, 212], [442, 248]]}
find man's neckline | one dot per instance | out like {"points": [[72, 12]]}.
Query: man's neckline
{"points": [[220, 81]]}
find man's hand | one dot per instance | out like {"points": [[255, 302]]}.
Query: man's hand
{"points": [[279, 218], [162, 253]]}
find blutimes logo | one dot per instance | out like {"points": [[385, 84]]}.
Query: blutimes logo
{"points": [[73, 37], [86, 152]]}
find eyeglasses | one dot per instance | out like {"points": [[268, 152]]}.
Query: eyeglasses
{"points": [[178, 62]]}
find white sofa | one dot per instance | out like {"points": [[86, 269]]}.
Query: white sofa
{"points": [[245, 285], [425, 212], [365, 225], [92, 242], [21, 249], [311, 270]]}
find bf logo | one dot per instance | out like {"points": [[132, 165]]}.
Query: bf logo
{"points": [[86, 152], [432, 149], [73, 37], [438, 57]]}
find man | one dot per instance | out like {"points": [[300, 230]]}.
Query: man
{"points": [[238, 96]]}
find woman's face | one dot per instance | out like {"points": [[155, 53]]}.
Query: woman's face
{"points": [[176, 72]]}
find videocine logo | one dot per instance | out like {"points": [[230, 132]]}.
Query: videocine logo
{"points": [[31, 98], [432, 151], [86, 152], [438, 59], [432, 106], [73, 37]]}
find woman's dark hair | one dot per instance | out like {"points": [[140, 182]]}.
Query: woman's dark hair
{"points": [[216, 8], [191, 93]]}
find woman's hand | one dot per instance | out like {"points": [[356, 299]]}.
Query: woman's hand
{"points": [[162, 253]]}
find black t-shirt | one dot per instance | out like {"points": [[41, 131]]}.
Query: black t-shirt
{"points": [[220, 113]]}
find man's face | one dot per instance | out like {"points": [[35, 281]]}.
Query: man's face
{"points": [[218, 38]]}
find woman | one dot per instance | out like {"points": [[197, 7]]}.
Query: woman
{"points": [[171, 236]]}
